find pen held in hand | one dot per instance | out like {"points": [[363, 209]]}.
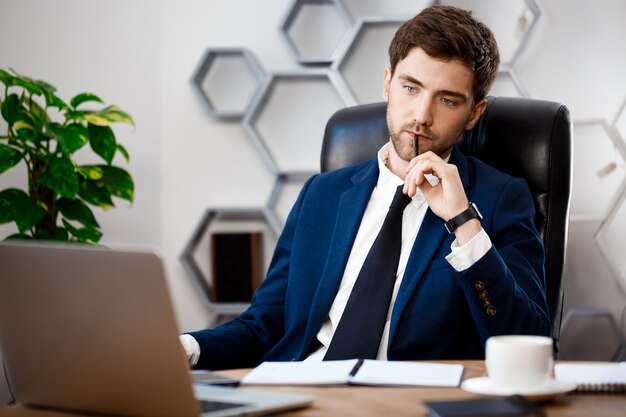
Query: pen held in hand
{"points": [[415, 146]]}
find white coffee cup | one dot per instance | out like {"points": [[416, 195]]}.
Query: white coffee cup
{"points": [[519, 364]]}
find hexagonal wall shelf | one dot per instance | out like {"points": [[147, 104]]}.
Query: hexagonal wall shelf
{"points": [[610, 236], [385, 9], [198, 256], [364, 58], [314, 30], [288, 119], [512, 22], [227, 80], [620, 126], [594, 150], [284, 194], [591, 334]]}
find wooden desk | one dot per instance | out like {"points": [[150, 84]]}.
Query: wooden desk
{"points": [[363, 401]]}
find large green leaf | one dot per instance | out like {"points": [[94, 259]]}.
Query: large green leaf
{"points": [[71, 137], [85, 234], [6, 78], [90, 172], [27, 84], [118, 182], [54, 101], [9, 157], [83, 98], [39, 115], [115, 181], [96, 193], [124, 152], [11, 108], [17, 206], [61, 177], [22, 124], [77, 210], [108, 115], [102, 141]]}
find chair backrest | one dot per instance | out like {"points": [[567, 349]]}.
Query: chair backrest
{"points": [[526, 138]]}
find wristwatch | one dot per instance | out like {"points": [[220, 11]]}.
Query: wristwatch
{"points": [[469, 214]]}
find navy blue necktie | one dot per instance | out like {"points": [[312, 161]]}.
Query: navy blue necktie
{"points": [[362, 322]]}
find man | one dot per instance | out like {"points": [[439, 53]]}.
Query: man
{"points": [[449, 291]]}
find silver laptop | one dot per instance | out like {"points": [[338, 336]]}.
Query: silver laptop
{"points": [[85, 329]]}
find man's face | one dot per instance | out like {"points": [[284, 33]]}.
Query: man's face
{"points": [[431, 98]]}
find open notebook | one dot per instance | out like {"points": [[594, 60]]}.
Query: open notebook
{"points": [[605, 377], [356, 372], [92, 330]]}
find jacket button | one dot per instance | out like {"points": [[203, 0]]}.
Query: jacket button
{"points": [[483, 295], [479, 285], [491, 310]]}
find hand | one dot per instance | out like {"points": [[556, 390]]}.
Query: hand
{"points": [[192, 348], [446, 198]]}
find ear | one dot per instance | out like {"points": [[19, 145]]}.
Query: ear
{"points": [[386, 83], [477, 111]]}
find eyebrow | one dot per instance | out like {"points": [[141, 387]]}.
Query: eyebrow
{"points": [[444, 92]]}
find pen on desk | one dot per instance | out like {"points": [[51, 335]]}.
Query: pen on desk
{"points": [[415, 145], [356, 367]]}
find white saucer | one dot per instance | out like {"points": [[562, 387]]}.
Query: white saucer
{"points": [[485, 386]]}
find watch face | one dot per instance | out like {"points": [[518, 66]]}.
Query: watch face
{"points": [[480, 215]]}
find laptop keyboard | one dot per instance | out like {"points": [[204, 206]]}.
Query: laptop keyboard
{"points": [[206, 406]]}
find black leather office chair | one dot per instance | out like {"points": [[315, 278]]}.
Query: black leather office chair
{"points": [[526, 138]]}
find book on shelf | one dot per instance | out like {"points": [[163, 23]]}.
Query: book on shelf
{"points": [[356, 372], [600, 377]]}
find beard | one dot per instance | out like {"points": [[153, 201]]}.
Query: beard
{"points": [[404, 147]]}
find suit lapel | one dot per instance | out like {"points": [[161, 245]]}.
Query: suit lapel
{"points": [[429, 238], [352, 205]]}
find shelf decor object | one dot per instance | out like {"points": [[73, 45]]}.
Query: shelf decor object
{"points": [[235, 265]]}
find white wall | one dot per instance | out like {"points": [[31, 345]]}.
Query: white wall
{"points": [[141, 55]]}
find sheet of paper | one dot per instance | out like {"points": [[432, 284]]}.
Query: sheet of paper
{"points": [[591, 372], [300, 373], [408, 373]]}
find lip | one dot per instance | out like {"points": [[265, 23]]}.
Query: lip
{"points": [[419, 134]]}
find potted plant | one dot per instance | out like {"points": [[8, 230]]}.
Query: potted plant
{"points": [[44, 132]]}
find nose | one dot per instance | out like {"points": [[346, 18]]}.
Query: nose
{"points": [[423, 110]]}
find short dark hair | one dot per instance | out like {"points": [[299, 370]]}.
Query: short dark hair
{"points": [[446, 32]]}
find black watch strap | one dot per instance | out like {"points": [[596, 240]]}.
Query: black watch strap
{"points": [[469, 214]]}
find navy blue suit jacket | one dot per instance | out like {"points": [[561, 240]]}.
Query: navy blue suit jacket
{"points": [[438, 312]]}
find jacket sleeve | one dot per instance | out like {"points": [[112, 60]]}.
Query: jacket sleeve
{"points": [[243, 341], [505, 289]]}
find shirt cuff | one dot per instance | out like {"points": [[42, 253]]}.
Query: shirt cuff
{"points": [[192, 348], [462, 257]]}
